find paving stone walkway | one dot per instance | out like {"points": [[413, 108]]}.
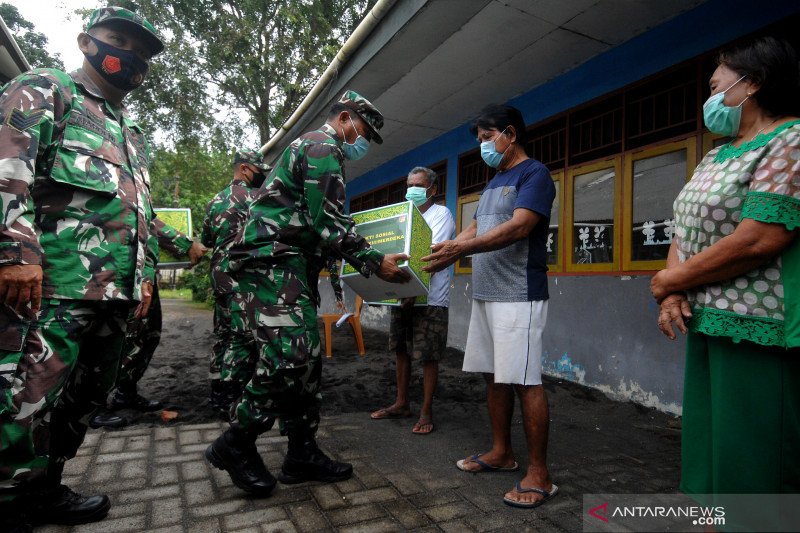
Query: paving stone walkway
{"points": [[158, 480]]}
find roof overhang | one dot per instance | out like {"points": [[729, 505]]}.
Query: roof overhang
{"points": [[429, 61], [12, 60]]}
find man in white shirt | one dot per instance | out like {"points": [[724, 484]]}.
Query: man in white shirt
{"points": [[421, 329]]}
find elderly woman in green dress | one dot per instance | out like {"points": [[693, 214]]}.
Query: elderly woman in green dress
{"points": [[733, 281]]}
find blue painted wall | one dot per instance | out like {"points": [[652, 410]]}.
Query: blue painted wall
{"points": [[708, 26], [610, 343]]}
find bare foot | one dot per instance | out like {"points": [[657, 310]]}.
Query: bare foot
{"points": [[393, 411]]}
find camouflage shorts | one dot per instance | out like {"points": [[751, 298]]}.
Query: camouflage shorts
{"points": [[423, 328]]}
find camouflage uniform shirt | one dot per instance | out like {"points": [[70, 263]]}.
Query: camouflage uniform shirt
{"points": [[74, 188], [299, 211], [225, 215]]}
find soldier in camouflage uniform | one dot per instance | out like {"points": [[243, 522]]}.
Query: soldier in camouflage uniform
{"points": [[233, 349], [74, 261], [234, 354], [144, 335], [293, 220]]}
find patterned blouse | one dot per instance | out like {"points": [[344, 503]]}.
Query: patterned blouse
{"points": [[759, 180]]}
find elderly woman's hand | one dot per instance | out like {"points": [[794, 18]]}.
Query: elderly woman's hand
{"points": [[674, 308], [661, 285]]}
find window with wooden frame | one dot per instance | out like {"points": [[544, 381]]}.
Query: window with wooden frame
{"points": [[441, 181], [548, 143], [391, 193], [473, 173], [592, 215], [653, 179], [554, 253], [662, 108], [465, 213], [596, 131]]}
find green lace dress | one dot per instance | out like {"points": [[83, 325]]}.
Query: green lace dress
{"points": [[741, 411]]}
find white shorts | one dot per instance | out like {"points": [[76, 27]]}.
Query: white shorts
{"points": [[505, 339]]}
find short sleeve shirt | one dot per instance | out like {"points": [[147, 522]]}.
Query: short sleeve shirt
{"points": [[518, 272], [758, 180], [442, 227]]}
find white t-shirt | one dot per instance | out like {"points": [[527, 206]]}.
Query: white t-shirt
{"points": [[443, 228]]}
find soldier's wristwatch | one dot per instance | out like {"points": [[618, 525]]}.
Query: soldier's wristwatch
{"points": [[369, 267]]}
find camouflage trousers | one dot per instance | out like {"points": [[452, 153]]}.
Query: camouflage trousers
{"points": [[66, 362], [234, 352], [276, 305], [141, 342]]}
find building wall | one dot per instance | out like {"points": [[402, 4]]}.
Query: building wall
{"points": [[601, 328]]}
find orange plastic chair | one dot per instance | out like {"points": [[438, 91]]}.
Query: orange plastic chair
{"points": [[329, 319]]}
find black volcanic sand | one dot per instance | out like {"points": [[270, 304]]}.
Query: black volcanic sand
{"points": [[178, 375]]}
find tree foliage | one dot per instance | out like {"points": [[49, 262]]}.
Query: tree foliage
{"points": [[189, 176], [232, 67], [31, 43]]}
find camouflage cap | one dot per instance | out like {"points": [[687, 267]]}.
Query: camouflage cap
{"points": [[253, 158], [134, 21], [366, 111]]}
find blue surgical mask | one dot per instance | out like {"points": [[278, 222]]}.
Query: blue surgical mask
{"points": [[121, 68], [418, 195], [489, 152], [358, 148], [722, 119]]}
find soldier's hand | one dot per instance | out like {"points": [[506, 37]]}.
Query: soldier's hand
{"points": [[21, 284], [389, 271], [147, 297], [196, 253]]}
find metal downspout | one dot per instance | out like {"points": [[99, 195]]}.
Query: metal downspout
{"points": [[365, 27]]}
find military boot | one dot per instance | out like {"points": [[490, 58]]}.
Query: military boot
{"points": [[107, 419], [235, 451], [306, 462], [217, 398], [63, 505], [58, 504], [12, 519], [130, 399]]}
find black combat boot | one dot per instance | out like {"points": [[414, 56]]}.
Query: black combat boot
{"points": [[216, 397], [107, 419], [235, 451], [13, 519], [58, 504], [64, 506], [130, 399], [306, 462]]}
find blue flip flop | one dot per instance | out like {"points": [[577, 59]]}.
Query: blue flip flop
{"points": [[484, 467], [530, 505]]}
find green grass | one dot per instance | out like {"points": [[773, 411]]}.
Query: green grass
{"points": [[178, 294]]}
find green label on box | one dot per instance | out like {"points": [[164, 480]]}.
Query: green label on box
{"points": [[398, 228], [384, 229], [179, 218]]}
